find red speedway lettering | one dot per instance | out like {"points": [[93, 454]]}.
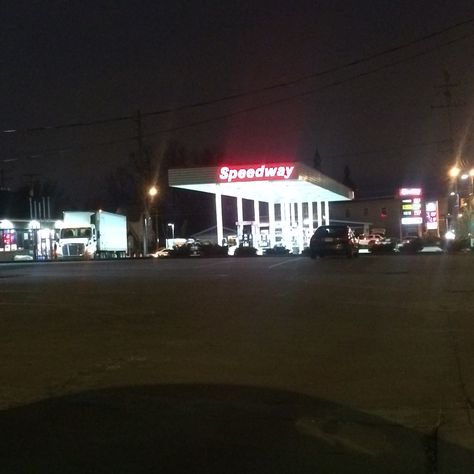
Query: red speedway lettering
{"points": [[242, 173]]}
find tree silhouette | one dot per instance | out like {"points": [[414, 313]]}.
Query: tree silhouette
{"points": [[317, 160], [128, 186], [347, 180]]}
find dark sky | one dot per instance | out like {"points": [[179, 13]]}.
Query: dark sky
{"points": [[72, 61]]}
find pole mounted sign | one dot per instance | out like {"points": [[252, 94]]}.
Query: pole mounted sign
{"points": [[411, 206], [432, 215], [265, 172]]}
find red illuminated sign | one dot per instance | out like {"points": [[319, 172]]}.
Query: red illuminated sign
{"points": [[274, 171]]}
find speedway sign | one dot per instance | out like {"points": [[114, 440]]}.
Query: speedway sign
{"points": [[265, 172]]}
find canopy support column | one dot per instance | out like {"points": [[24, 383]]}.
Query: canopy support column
{"points": [[320, 212], [271, 223], [300, 222], [219, 224], [256, 226], [240, 218], [326, 212], [310, 217]]}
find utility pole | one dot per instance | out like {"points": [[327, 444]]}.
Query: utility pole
{"points": [[140, 159], [448, 104], [138, 121]]}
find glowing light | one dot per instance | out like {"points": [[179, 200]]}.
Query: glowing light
{"points": [[34, 225], [450, 235], [454, 172], [412, 220], [153, 191], [410, 192], [6, 224], [264, 172]]}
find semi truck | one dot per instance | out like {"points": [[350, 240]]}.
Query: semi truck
{"points": [[90, 235]]}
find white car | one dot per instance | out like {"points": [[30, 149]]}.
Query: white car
{"points": [[370, 239], [162, 252]]}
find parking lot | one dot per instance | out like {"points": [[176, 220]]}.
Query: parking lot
{"points": [[266, 364]]}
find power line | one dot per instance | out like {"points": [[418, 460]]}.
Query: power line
{"points": [[249, 92], [256, 107], [390, 149], [262, 106], [308, 92]]}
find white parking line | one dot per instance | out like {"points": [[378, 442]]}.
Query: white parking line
{"points": [[289, 260]]}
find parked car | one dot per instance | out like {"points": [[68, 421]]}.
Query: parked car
{"points": [[410, 244], [370, 239], [334, 240], [162, 252]]}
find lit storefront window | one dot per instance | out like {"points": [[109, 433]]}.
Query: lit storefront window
{"points": [[8, 241]]}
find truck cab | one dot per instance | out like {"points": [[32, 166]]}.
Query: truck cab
{"points": [[80, 242]]}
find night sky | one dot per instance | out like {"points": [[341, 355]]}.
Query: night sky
{"points": [[357, 80]]}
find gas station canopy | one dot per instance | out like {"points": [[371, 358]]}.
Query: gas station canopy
{"points": [[267, 182], [289, 189]]}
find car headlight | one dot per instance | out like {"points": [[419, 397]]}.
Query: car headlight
{"points": [[450, 235]]}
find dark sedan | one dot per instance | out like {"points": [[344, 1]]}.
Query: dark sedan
{"points": [[334, 240]]}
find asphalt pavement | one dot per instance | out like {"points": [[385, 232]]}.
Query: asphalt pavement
{"points": [[281, 365]]}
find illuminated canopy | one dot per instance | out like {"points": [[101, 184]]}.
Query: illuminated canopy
{"points": [[270, 182]]}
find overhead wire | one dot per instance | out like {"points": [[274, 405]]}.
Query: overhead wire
{"points": [[267, 104], [255, 91]]}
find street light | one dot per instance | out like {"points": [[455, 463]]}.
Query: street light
{"points": [[152, 192], [454, 172], [465, 176], [462, 193]]}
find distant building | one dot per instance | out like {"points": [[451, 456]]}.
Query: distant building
{"points": [[210, 235], [24, 239], [383, 214]]}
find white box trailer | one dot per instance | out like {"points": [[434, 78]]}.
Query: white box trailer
{"points": [[92, 235], [111, 232]]}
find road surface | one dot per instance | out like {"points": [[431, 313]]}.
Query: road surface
{"points": [[274, 365]]}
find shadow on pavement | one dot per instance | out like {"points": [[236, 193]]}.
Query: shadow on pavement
{"points": [[207, 429]]}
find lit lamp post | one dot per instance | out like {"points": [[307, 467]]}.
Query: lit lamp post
{"points": [[471, 204], [453, 207], [469, 200], [152, 192], [470, 175], [462, 195], [453, 174]]}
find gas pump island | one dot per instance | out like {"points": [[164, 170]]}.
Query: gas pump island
{"points": [[289, 200]]}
